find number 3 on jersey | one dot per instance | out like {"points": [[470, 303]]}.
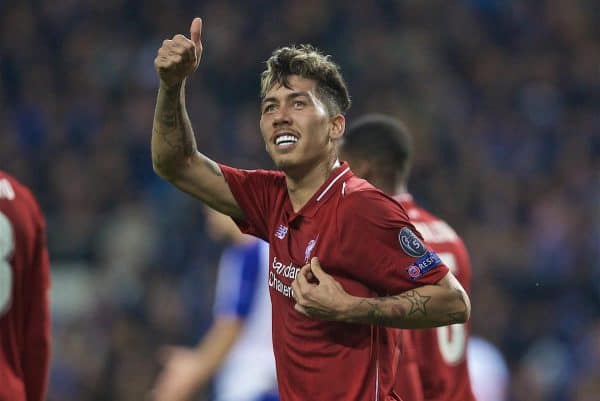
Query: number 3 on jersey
{"points": [[7, 245], [452, 340]]}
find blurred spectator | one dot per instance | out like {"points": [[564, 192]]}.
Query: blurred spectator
{"points": [[236, 351], [488, 371]]}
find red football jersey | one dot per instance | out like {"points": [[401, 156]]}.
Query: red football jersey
{"points": [[24, 283], [408, 385], [363, 239], [441, 352]]}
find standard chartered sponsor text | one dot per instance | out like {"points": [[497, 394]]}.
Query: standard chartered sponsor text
{"points": [[279, 270]]}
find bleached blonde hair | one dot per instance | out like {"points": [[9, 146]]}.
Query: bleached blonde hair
{"points": [[307, 62]]}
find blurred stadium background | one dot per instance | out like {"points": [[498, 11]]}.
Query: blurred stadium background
{"points": [[503, 97]]}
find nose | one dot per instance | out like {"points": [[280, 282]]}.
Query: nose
{"points": [[282, 117]]}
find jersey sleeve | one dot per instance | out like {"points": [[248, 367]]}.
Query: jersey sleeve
{"points": [[382, 248], [36, 354], [255, 192], [237, 282]]}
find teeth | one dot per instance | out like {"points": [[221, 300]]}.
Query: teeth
{"points": [[285, 139]]}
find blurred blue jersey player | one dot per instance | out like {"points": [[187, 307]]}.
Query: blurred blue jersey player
{"points": [[237, 350]]}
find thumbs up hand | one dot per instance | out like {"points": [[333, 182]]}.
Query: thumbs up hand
{"points": [[179, 57]]}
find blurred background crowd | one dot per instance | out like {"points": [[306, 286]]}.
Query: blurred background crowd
{"points": [[503, 97]]}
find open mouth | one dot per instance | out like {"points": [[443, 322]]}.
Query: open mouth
{"points": [[285, 139]]}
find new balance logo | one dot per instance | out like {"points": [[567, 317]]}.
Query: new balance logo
{"points": [[281, 232]]}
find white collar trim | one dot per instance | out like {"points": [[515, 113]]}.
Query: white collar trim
{"points": [[331, 183]]}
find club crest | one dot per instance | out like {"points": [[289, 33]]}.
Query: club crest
{"points": [[309, 248]]}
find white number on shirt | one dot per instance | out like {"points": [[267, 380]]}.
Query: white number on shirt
{"points": [[449, 260], [452, 340], [7, 246]]}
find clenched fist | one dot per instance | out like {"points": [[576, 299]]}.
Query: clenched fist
{"points": [[179, 57], [324, 299]]}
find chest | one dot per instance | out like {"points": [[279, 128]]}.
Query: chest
{"points": [[293, 242], [297, 241]]}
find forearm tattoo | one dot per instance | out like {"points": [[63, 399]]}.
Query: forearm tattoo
{"points": [[400, 310], [389, 311], [417, 303], [458, 316], [172, 127]]}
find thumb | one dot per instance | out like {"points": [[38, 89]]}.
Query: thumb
{"points": [[316, 269], [195, 33]]}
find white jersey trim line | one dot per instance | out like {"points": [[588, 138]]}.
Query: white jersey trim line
{"points": [[377, 379], [331, 183]]}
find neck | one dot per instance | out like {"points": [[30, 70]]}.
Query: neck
{"points": [[302, 187], [400, 189]]}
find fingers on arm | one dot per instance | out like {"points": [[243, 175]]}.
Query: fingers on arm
{"points": [[300, 288], [301, 309], [174, 51], [303, 276], [184, 47], [316, 269], [297, 292], [180, 49]]}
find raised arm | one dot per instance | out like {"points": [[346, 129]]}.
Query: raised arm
{"points": [[440, 304], [174, 152]]}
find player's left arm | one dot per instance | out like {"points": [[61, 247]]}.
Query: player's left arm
{"points": [[36, 354], [434, 305]]}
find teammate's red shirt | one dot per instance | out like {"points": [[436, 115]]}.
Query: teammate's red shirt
{"points": [[354, 230], [24, 282], [442, 352], [408, 386]]}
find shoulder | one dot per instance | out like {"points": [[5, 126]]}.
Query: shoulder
{"points": [[274, 175], [364, 202], [254, 179], [360, 193], [355, 185], [268, 174]]}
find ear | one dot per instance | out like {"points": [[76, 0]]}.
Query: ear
{"points": [[338, 126]]}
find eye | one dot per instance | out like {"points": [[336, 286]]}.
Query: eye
{"points": [[298, 104], [269, 108]]}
